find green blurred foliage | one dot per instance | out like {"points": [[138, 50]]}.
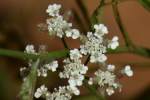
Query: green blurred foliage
{"points": [[145, 4]]}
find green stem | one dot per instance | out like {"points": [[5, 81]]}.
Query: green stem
{"points": [[79, 21], [64, 43], [25, 56], [93, 90], [28, 86], [118, 50], [63, 53], [84, 11], [119, 1], [87, 60], [141, 51], [120, 24], [98, 11]]}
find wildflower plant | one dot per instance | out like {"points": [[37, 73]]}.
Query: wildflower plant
{"points": [[94, 45]]}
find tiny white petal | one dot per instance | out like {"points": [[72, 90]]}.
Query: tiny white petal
{"points": [[53, 10], [30, 49], [128, 71], [114, 43], [111, 67], [110, 91], [68, 33], [90, 82]]}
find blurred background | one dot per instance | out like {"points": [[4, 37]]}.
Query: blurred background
{"points": [[18, 27]]}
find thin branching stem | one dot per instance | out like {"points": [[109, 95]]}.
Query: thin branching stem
{"points": [[84, 11], [98, 11], [64, 53], [93, 90], [128, 41], [64, 43], [26, 56], [79, 21], [28, 86]]}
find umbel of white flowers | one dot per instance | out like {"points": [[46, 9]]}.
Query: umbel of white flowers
{"points": [[57, 25], [94, 45]]}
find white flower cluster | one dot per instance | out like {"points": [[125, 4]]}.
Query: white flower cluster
{"points": [[94, 45], [107, 78], [57, 25], [100, 30], [40, 91], [30, 49], [74, 71], [42, 71], [113, 44], [127, 71], [75, 54], [53, 10], [62, 93]]}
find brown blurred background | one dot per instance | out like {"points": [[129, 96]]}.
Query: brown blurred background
{"points": [[18, 27]]}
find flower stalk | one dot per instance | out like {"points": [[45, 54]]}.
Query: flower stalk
{"points": [[28, 86], [120, 24]]}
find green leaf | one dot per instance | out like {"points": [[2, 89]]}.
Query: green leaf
{"points": [[145, 4], [28, 86]]}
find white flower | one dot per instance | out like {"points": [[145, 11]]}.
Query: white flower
{"points": [[30, 49], [74, 71], [110, 91], [128, 71], [52, 66], [74, 90], [83, 49], [90, 82], [76, 80], [74, 33], [42, 71], [95, 48], [110, 67], [105, 78], [100, 30], [60, 94], [68, 33], [57, 26], [114, 43], [75, 54], [98, 58], [22, 69], [40, 91], [53, 10], [117, 85]]}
